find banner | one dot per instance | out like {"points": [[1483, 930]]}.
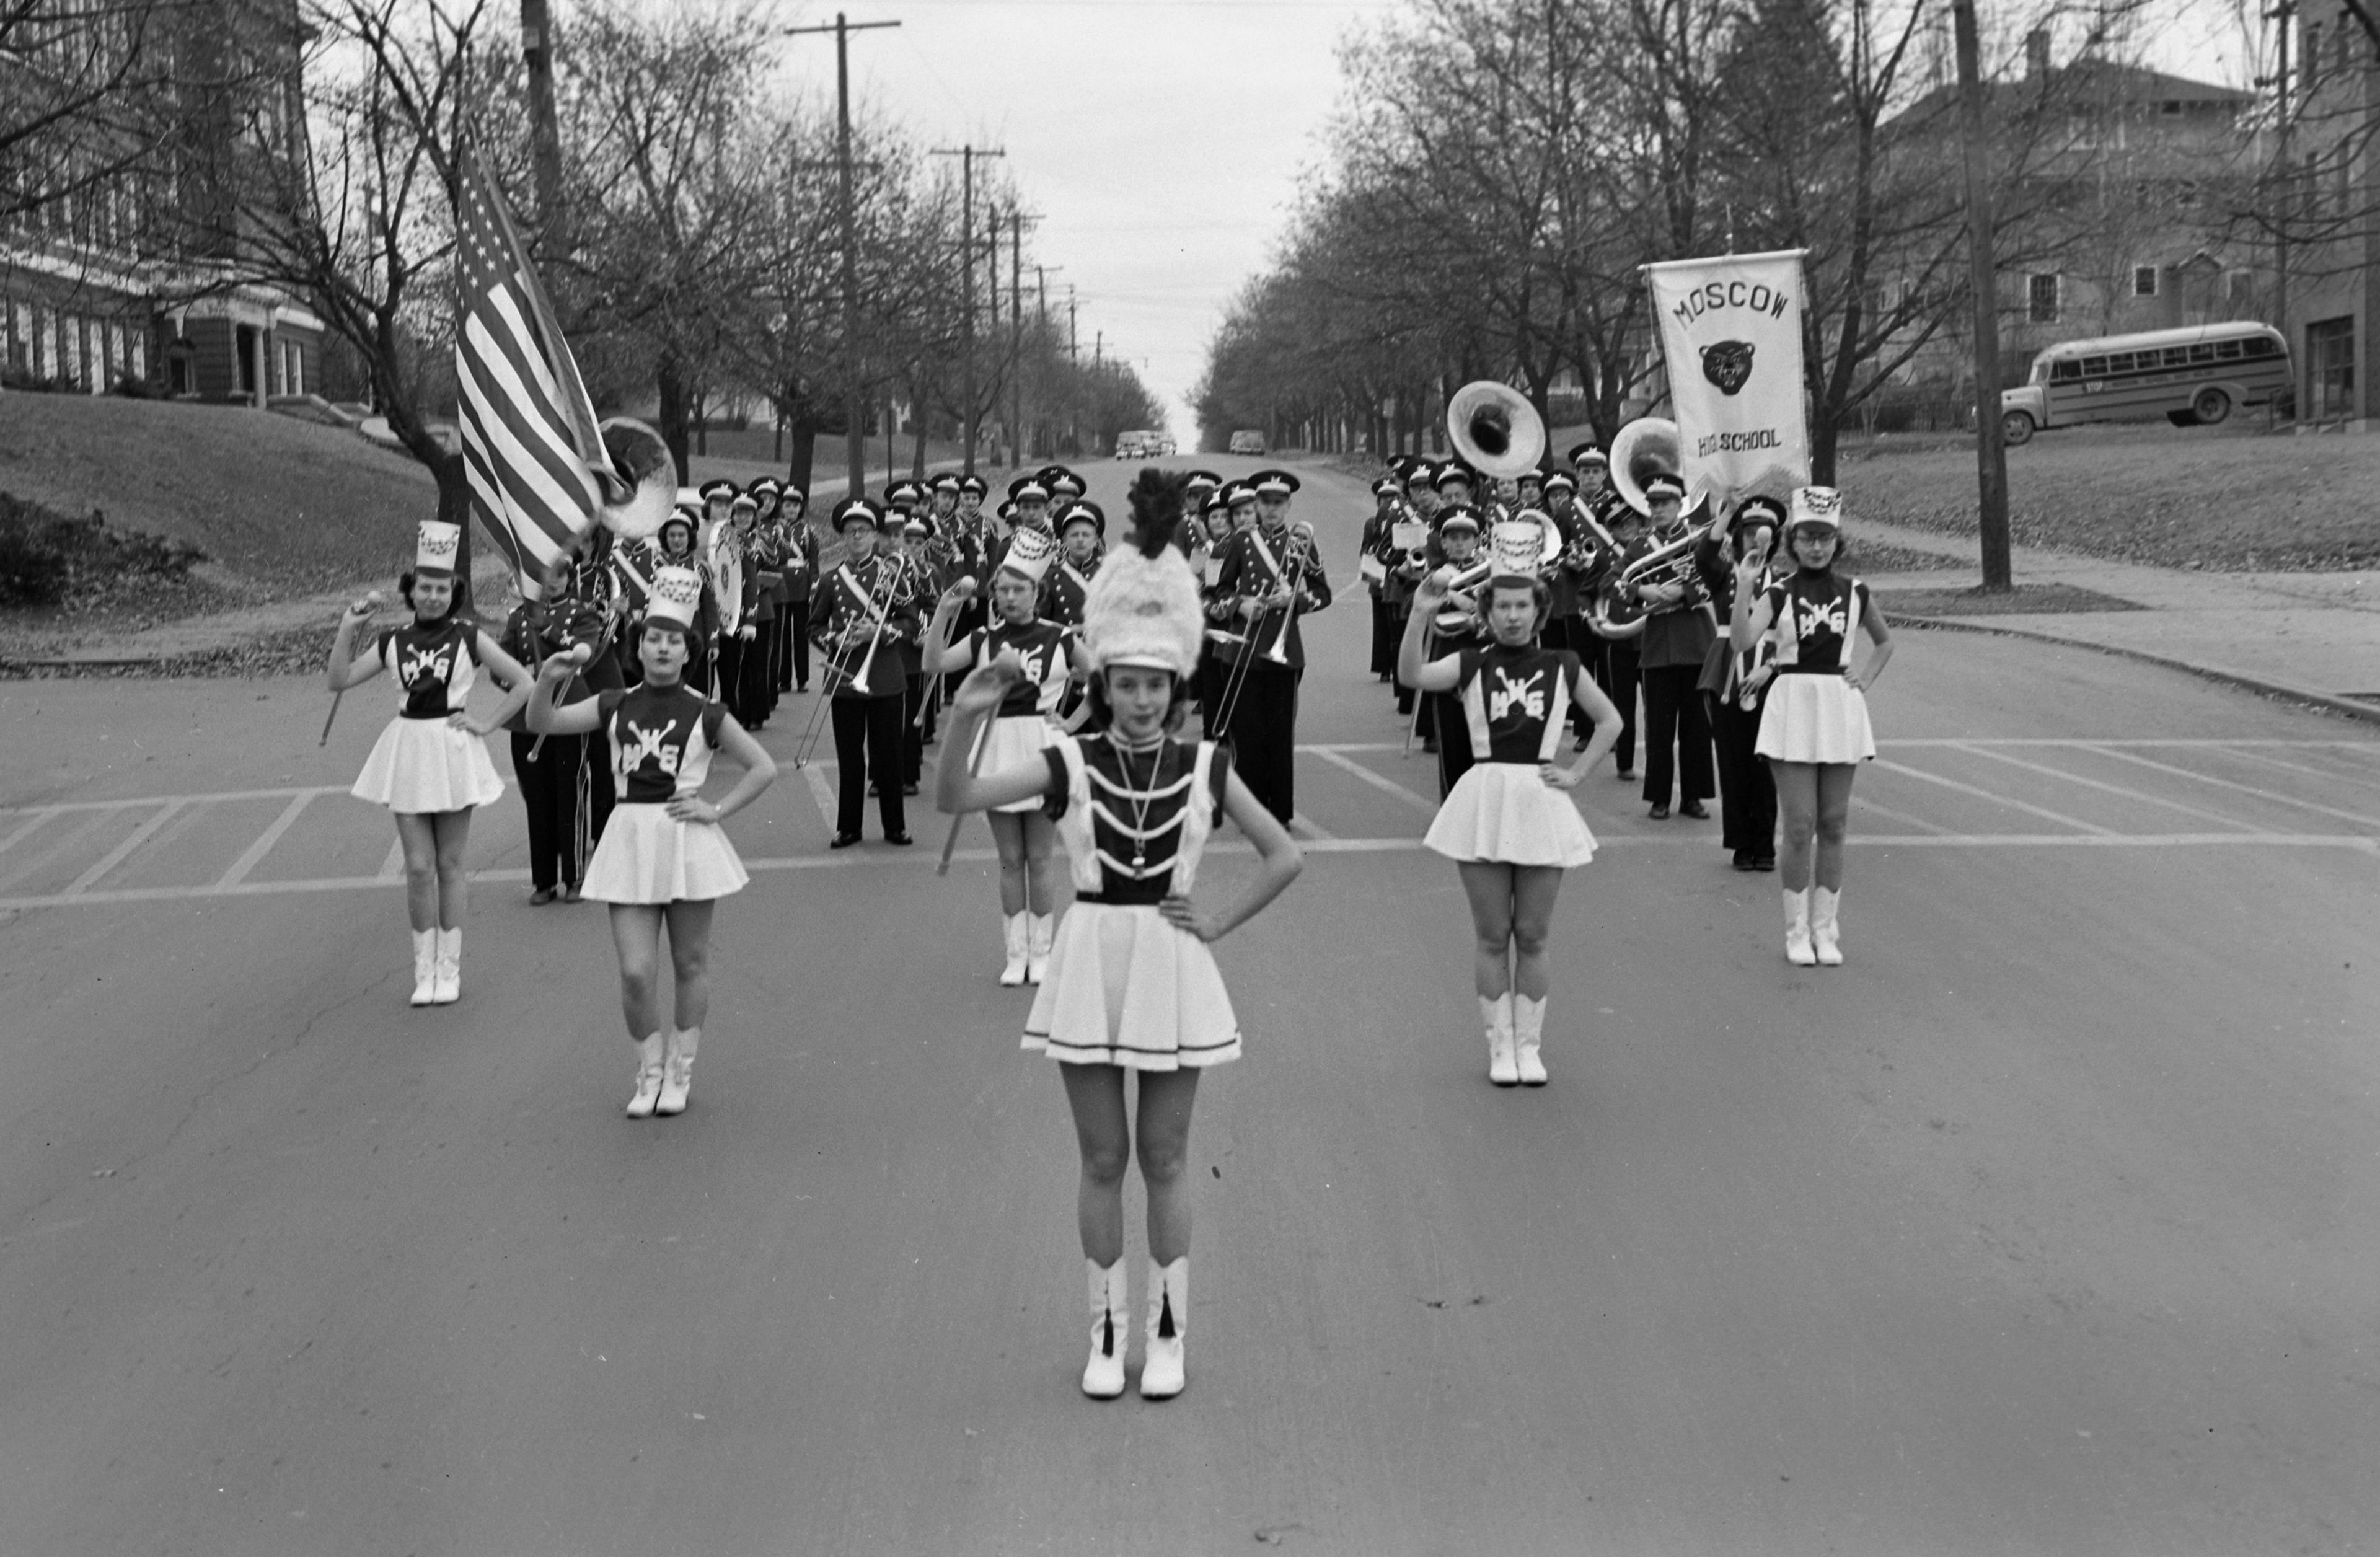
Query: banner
{"points": [[1732, 342]]}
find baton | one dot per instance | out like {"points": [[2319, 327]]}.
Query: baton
{"points": [[371, 598], [975, 766]]}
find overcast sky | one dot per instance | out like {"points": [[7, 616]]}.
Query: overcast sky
{"points": [[1161, 140]]}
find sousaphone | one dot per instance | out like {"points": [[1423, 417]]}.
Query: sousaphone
{"points": [[1494, 429], [1646, 447]]}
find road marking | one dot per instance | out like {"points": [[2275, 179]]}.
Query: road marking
{"points": [[1335, 755], [2328, 776], [2148, 740], [33, 821], [392, 868], [2112, 788], [115, 856], [263, 844], [823, 793], [2041, 811], [1313, 832], [1903, 816], [2274, 795], [210, 797], [904, 859]]}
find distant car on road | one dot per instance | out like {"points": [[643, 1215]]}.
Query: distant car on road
{"points": [[1142, 445], [1247, 440], [2191, 377]]}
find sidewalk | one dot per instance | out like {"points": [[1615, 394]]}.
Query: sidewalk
{"points": [[2315, 636]]}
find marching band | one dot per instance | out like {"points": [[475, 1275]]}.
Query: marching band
{"points": [[1509, 602]]}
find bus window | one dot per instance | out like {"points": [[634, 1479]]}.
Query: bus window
{"points": [[2065, 372], [2202, 352], [2092, 367], [2177, 357], [2227, 350], [2119, 362], [2040, 373], [2260, 345]]}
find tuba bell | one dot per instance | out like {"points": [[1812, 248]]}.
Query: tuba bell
{"points": [[1646, 447], [1495, 430]]}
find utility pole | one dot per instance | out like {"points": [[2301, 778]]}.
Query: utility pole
{"points": [[1991, 454], [545, 126], [1016, 339], [1040, 334], [2285, 14], [967, 155], [855, 408], [992, 284]]}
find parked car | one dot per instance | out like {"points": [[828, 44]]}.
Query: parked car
{"points": [[1139, 445], [2192, 377], [1247, 440]]}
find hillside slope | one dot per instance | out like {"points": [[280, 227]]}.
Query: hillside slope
{"points": [[281, 506]]}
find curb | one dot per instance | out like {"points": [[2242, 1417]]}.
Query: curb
{"points": [[2348, 707]]}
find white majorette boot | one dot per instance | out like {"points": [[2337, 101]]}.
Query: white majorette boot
{"points": [[1012, 932], [1169, 1322], [449, 970], [1036, 955], [1528, 1030], [1111, 1327], [1824, 904], [1797, 930], [677, 1071], [649, 1077], [1496, 1016], [425, 967]]}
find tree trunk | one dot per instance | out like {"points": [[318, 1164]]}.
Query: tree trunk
{"points": [[1826, 436], [677, 412]]}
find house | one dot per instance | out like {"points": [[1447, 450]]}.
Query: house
{"points": [[2324, 206], [118, 274]]}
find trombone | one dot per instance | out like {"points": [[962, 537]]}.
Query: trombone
{"points": [[1294, 558], [888, 576]]}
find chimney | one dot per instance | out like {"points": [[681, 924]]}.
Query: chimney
{"points": [[2036, 54]]}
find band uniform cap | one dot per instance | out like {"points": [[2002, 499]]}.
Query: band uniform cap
{"points": [[1217, 502], [1388, 486], [1515, 546], [856, 509], [1561, 480], [794, 495], [904, 492], [1005, 512], [1402, 466], [946, 482], [1586, 453], [436, 545], [975, 485], [1818, 505], [1030, 553], [1084, 513], [677, 591], [1458, 516], [1237, 493], [1452, 470], [1273, 483], [767, 486], [1057, 478], [1202, 481], [745, 501], [1028, 489], [1757, 507], [715, 489], [1662, 484], [683, 514], [918, 526]]}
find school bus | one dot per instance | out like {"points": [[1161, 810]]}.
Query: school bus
{"points": [[2192, 376]]}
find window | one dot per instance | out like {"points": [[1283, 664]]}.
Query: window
{"points": [[2177, 357], [2069, 371], [2144, 281], [2228, 351], [2202, 352], [2041, 298], [2240, 286], [2261, 346], [2095, 367], [2330, 369]]}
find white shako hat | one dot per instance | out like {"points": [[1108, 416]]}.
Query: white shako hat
{"points": [[436, 545], [1516, 547], [1030, 553], [677, 593], [1144, 610], [1817, 505]]}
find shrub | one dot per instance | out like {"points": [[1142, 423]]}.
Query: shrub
{"points": [[47, 557]]}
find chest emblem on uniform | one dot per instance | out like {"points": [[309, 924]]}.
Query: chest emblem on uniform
{"points": [[1528, 692], [1810, 615], [426, 663], [1728, 364], [647, 746]]}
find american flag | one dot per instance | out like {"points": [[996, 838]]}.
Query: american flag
{"points": [[530, 442]]}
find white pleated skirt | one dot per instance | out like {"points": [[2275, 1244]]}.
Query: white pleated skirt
{"points": [[1124, 987], [1015, 738], [1505, 812], [428, 766], [1815, 719], [648, 855]]}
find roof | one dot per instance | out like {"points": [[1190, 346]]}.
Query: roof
{"points": [[2107, 79], [2191, 334]]}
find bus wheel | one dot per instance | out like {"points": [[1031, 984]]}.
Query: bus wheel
{"points": [[2210, 407], [2016, 427]]}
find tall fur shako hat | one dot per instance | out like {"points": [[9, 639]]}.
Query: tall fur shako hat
{"points": [[1143, 605], [677, 593]]}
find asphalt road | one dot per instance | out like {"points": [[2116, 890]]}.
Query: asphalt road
{"points": [[2046, 1225]]}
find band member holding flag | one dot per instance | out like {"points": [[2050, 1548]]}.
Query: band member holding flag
{"points": [[664, 861], [1130, 985], [1814, 730], [1038, 652], [1508, 823], [430, 766]]}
